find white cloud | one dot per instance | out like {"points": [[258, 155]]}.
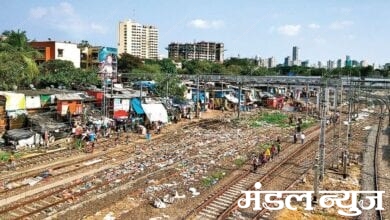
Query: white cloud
{"points": [[64, 17], [38, 12], [313, 26], [319, 40], [337, 25], [289, 30], [205, 24]]}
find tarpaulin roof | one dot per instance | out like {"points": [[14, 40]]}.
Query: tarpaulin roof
{"points": [[18, 134], [136, 105], [155, 112]]}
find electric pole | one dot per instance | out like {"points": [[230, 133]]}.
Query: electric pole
{"points": [[197, 99], [239, 100], [322, 130], [345, 152]]}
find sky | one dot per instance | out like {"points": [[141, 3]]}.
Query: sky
{"points": [[323, 30]]}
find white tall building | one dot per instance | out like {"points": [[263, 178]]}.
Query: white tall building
{"points": [[138, 40]]}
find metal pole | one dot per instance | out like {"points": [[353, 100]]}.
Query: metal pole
{"points": [[322, 133], [167, 87], [345, 154], [335, 93], [104, 95], [316, 181], [197, 99], [307, 99], [239, 100]]}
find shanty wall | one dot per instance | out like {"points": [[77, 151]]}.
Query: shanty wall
{"points": [[74, 107]]}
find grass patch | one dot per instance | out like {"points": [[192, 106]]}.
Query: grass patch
{"points": [[307, 123], [4, 156], [275, 118], [213, 178], [239, 162]]}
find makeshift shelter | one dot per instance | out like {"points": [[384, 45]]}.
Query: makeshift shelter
{"points": [[70, 102], [155, 112], [22, 138], [45, 122], [14, 105], [136, 106]]}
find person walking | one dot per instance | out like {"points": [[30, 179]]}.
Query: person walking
{"points": [[278, 147], [267, 154], [295, 138], [302, 138], [255, 162], [273, 151]]}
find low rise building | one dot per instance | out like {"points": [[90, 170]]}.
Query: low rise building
{"points": [[52, 50]]}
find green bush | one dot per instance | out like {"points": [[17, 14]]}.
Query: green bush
{"points": [[275, 118]]}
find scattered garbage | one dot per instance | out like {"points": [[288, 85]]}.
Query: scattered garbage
{"points": [[109, 216], [168, 199], [194, 192], [159, 204]]}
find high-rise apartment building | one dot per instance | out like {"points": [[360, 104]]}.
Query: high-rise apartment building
{"points": [[271, 62], [348, 61], [287, 61], [339, 63], [197, 51], [330, 64], [138, 40], [295, 53]]}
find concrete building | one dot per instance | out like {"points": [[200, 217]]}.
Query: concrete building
{"points": [[339, 63], [295, 54], [305, 63], [348, 61], [211, 51], [52, 50], [271, 62], [363, 63], [138, 40], [330, 64], [287, 61], [91, 57]]}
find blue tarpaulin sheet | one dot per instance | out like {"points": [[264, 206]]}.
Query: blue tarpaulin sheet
{"points": [[136, 105]]}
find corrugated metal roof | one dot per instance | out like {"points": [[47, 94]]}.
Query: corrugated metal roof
{"points": [[70, 96]]}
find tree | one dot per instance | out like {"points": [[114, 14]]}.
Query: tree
{"points": [[127, 62], [17, 66], [167, 66], [63, 73]]}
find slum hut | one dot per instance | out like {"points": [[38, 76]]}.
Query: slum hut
{"points": [[155, 112], [46, 122], [119, 105], [69, 104], [14, 105], [38, 101], [21, 138], [98, 94], [3, 118]]}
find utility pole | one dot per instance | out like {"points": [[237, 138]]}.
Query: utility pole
{"points": [[316, 181], [197, 98], [322, 130], [239, 100], [345, 153], [335, 93]]}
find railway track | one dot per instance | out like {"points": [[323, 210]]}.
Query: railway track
{"points": [[218, 203], [377, 159], [35, 204], [223, 204], [48, 161]]}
